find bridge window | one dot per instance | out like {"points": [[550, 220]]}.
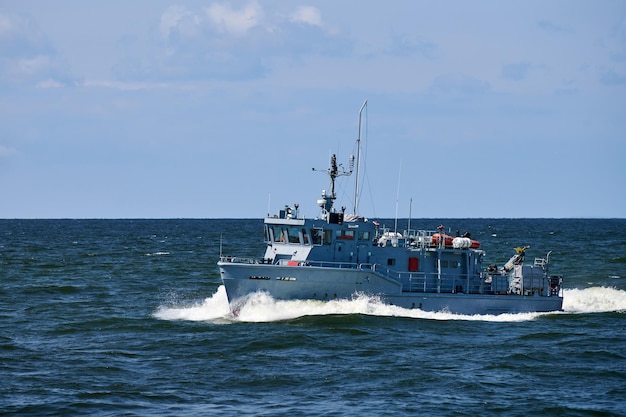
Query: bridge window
{"points": [[364, 235], [294, 235], [317, 235], [279, 234], [328, 237], [345, 234], [321, 236], [391, 262], [305, 236]]}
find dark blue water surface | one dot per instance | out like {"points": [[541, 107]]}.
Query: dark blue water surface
{"points": [[128, 317]]}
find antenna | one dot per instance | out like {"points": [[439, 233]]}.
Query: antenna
{"points": [[398, 196], [326, 202], [358, 161], [410, 209]]}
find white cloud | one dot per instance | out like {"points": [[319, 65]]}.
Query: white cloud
{"points": [[20, 36], [31, 65], [27, 54], [226, 41], [14, 69], [307, 14], [234, 22], [127, 86], [179, 18], [49, 83]]}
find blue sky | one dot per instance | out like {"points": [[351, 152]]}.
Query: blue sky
{"points": [[160, 109]]}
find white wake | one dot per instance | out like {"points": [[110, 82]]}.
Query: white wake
{"points": [[594, 300], [261, 307]]}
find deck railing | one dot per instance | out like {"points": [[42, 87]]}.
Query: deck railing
{"points": [[535, 284]]}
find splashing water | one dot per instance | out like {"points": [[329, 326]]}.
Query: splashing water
{"points": [[261, 307], [594, 300], [212, 308]]}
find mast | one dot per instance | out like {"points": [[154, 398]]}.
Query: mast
{"points": [[326, 202], [358, 161], [410, 209], [398, 197]]}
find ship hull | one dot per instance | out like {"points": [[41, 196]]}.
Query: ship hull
{"points": [[313, 283]]}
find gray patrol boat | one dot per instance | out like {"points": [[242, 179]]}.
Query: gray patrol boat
{"points": [[341, 256]]}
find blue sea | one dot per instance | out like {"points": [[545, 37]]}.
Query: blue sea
{"points": [[129, 318]]}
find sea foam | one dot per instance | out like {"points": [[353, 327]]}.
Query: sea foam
{"points": [[594, 300], [211, 308], [261, 307]]}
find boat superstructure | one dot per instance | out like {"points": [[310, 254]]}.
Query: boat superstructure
{"points": [[339, 255]]}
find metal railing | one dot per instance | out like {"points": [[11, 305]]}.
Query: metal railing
{"points": [[240, 260], [534, 284], [409, 238]]}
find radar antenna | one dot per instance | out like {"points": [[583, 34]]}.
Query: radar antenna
{"points": [[335, 170]]}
